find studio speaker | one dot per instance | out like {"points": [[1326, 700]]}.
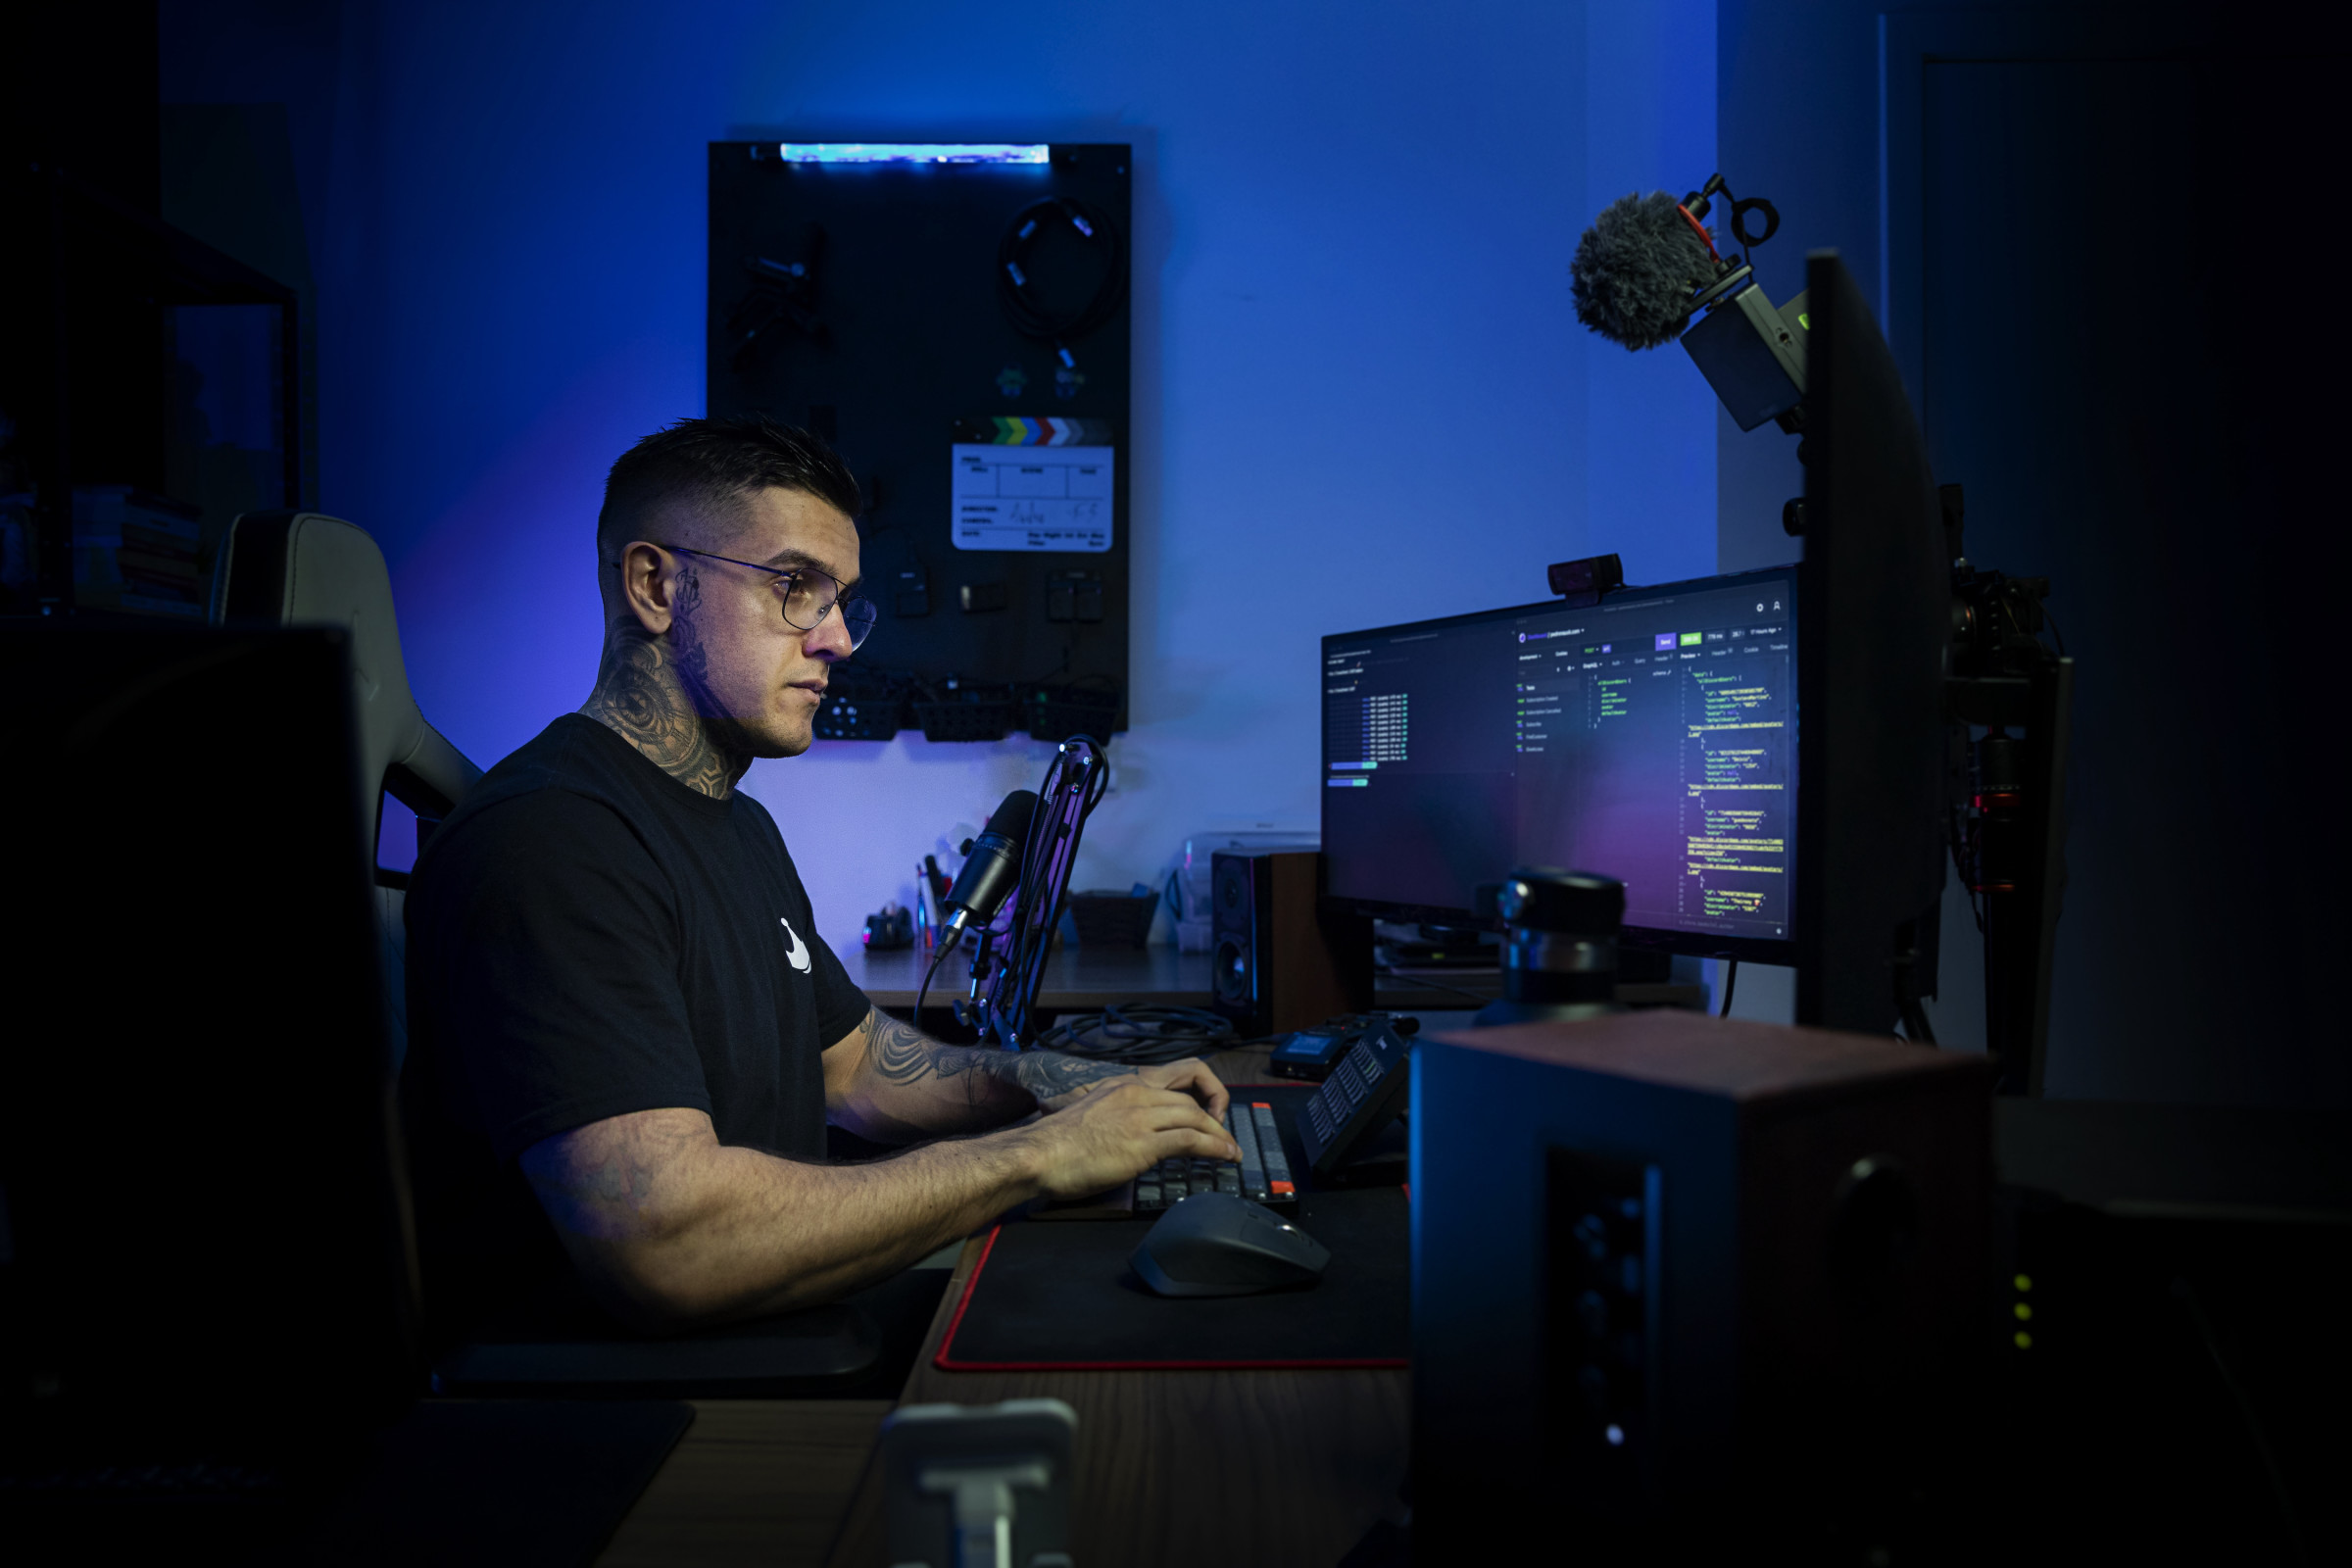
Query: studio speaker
{"points": [[1281, 962]]}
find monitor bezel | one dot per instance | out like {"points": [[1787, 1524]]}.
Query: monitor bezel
{"points": [[1654, 939]]}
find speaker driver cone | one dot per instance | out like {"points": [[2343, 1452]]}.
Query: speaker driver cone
{"points": [[1232, 970]]}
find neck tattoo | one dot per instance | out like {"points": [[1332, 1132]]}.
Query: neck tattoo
{"points": [[643, 693]]}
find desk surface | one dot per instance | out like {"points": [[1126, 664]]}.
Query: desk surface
{"points": [[754, 1482], [1078, 979], [1082, 979], [1235, 1468]]}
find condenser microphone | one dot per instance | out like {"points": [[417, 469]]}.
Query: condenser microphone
{"points": [[992, 866], [1640, 267]]}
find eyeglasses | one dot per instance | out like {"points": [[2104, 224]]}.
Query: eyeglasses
{"points": [[808, 595]]}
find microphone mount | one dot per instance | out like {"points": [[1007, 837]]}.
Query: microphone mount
{"points": [[1014, 942], [1700, 201], [1722, 288], [1751, 354]]}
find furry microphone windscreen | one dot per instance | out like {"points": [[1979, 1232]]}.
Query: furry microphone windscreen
{"points": [[1636, 270]]}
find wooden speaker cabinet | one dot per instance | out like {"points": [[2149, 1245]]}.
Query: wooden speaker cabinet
{"points": [[1282, 963], [1681, 1283]]}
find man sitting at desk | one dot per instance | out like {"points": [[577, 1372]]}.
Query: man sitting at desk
{"points": [[626, 1034]]}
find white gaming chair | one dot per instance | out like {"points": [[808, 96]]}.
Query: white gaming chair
{"points": [[292, 568]]}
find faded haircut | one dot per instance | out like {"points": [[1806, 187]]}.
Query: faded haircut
{"points": [[715, 464]]}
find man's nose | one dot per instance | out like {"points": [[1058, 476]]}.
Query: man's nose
{"points": [[831, 639]]}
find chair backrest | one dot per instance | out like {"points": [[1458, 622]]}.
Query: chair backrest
{"points": [[149, 1011], [299, 569]]}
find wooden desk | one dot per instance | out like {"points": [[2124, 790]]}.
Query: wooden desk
{"points": [[754, 1484], [1471, 989], [1078, 979], [1233, 1468], [1081, 979]]}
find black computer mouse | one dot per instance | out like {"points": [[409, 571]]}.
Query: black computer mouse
{"points": [[1213, 1244]]}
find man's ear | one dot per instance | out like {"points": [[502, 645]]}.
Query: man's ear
{"points": [[649, 586]]}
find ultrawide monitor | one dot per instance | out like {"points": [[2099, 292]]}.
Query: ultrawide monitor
{"points": [[1651, 737]]}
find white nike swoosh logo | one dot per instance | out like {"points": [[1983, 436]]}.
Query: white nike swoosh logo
{"points": [[798, 957]]}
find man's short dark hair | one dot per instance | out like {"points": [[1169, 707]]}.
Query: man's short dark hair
{"points": [[716, 463]]}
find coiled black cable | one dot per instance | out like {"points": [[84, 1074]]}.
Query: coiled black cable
{"points": [[1140, 1035], [1090, 224]]}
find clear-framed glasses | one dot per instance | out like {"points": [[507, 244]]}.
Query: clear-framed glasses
{"points": [[808, 595]]}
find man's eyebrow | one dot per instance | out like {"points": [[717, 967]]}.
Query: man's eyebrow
{"points": [[786, 560]]}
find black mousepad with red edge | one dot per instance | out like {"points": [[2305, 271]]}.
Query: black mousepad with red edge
{"points": [[1062, 1298]]}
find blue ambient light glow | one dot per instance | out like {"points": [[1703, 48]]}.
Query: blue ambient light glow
{"points": [[910, 152]]}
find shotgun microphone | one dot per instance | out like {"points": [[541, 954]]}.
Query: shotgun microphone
{"points": [[1648, 273], [1637, 270]]}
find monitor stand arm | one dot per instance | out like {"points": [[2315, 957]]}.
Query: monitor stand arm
{"points": [[2016, 852]]}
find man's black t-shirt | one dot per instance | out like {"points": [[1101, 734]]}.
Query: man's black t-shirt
{"points": [[587, 936]]}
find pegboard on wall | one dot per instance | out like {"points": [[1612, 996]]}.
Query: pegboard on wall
{"points": [[954, 320]]}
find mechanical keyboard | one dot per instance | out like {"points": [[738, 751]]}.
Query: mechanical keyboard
{"points": [[1263, 1175]]}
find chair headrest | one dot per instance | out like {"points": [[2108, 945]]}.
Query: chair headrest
{"points": [[297, 569]]}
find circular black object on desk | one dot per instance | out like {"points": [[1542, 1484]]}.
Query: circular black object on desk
{"points": [[1544, 898]]}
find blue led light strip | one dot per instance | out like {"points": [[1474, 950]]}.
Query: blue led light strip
{"points": [[910, 152]]}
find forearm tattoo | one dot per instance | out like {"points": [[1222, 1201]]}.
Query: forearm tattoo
{"points": [[1049, 1074], [645, 690], [900, 1054]]}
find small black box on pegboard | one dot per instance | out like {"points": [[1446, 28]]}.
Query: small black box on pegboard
{"points": [[1089, 707], [865, 706], [967, 710]]}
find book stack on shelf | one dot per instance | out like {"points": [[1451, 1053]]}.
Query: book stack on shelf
{"points": [[136, 551]]}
